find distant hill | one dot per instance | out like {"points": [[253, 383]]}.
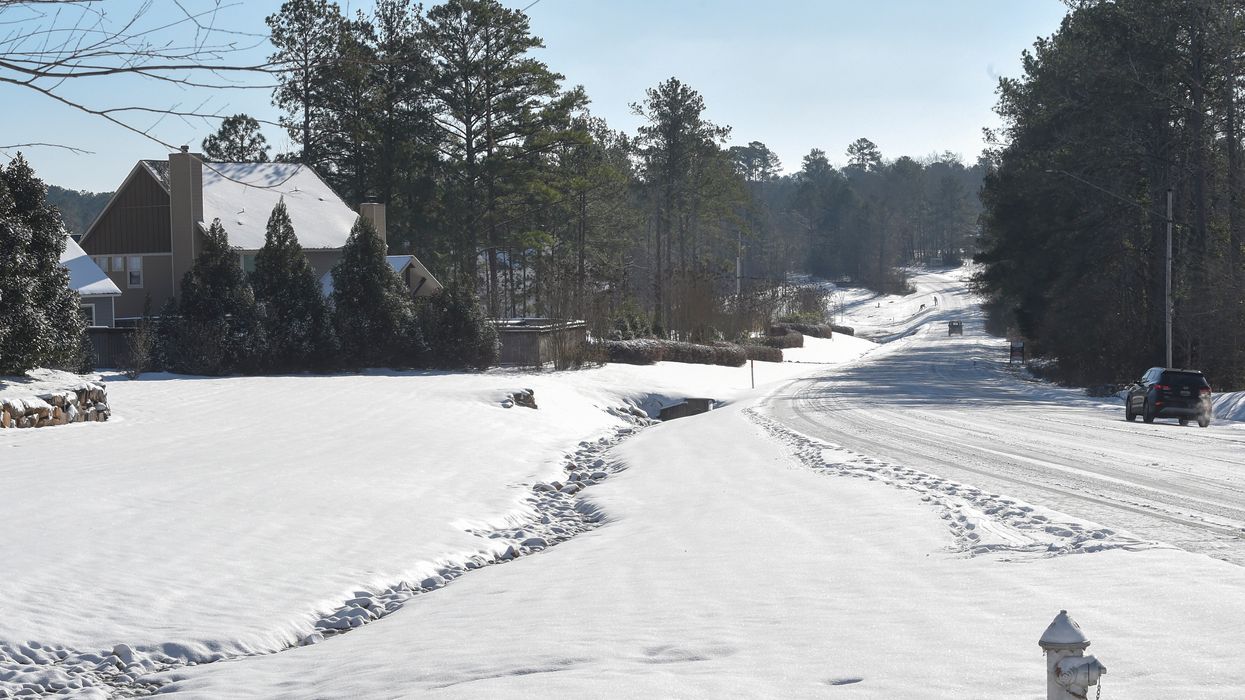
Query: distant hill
{"points": [[77, 207]]}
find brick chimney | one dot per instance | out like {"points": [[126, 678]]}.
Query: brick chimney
{"points": [[185, 211], [375, 213]]}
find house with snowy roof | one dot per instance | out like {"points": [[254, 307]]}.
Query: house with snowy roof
{"points": [[148, 235], [97, 291]]}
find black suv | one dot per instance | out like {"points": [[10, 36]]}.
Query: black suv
{"points": [[1167, 393]]}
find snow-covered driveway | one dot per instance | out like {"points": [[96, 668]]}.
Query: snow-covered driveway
{"points": [[949, 405]]}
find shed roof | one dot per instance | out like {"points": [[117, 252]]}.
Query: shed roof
{"points": [[85, 277], [397, 262]]}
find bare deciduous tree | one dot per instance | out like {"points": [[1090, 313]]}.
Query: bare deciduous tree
{"points": [[47, 46]]}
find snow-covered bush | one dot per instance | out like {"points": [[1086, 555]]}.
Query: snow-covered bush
{"points": [[729, 355], [817, 330], [762, 353], [690, 353], [792, 339], [646, 351], [643, 351]]}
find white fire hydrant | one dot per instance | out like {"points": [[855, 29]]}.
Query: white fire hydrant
{"points": [[1069, 673]]}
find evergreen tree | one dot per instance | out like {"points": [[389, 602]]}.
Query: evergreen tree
{"points": [[238, 140], [456, 329], [298, 331], [497, 108], [755, 162], [863, 155], [372, 310], [682, 167], [216, 330], [40, 324], [306, 35], [78, 208]]}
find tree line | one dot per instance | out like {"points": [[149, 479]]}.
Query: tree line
{"points": [[1127, 101], [504, 182], [499, 175]]}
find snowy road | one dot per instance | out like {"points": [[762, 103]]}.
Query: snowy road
{"points": [[951, 407]]}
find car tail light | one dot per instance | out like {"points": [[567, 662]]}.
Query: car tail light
{"points": [[1205, 391], [1162, 387]]}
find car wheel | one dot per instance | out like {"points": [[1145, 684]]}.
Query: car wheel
{"points": [[1128, 411], [1147, 412], [1184, 421], [1203, 421]]}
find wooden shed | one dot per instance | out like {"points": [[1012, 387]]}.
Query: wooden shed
{"points": [[532, 342]]}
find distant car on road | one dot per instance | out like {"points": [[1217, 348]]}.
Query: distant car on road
{"points": [[1169, 393]]}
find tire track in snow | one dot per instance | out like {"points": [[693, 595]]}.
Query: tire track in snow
{"points": [[981, 522], [32, 669]]}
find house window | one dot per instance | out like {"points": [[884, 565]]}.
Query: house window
{"points": [[88, 313], [118, 263], [135, 271], [101, 261]]}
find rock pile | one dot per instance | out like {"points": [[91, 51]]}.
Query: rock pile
{"points": [[525, 398], [86, 402]]}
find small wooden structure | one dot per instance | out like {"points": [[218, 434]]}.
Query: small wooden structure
{"points": [[955, 328], [531, 342], [111, 345]]}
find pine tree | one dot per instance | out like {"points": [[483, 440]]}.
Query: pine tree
{"points": [[40, 324], [238, 140], [216, 330], [306, 35], [372, 310], [457, 330], [297, 327]]}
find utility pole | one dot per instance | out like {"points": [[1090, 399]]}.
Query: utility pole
{"points": [[1168, 300], [1167, 311], [739, 264]]}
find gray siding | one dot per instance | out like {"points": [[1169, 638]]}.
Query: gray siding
{"points": [[104, 315]]}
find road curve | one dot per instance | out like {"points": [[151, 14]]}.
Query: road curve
{"points": [[952, 406]]}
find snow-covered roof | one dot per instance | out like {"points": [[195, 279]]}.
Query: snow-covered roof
{"points": [[85, 277], [397, 262], [242, 196]]}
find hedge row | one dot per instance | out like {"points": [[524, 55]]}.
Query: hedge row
{"points": [[647, 351], [845, 330], [816, 330], [793, 339], [763, 353]]}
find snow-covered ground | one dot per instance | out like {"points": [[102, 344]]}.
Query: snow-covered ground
{"points": [[869, 531], [218, 518], [38, 382]]}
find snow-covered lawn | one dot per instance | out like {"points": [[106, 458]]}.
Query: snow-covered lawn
{"points": [[721, 555], [213, 518]]}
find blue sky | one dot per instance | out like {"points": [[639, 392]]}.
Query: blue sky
{"points": [[915, 76]]}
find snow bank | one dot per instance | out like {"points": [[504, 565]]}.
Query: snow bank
{"points": [[1230, 406]]}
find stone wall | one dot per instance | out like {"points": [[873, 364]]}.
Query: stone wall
{"points": [[86, 402]]}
